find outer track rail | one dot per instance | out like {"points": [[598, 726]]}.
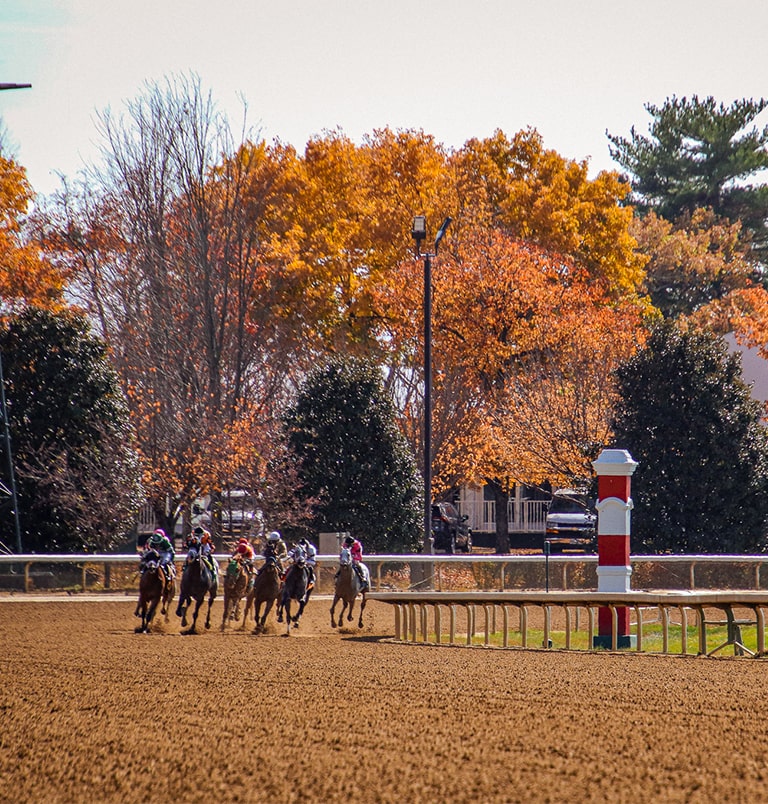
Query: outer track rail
{"points": [[413, 622]]}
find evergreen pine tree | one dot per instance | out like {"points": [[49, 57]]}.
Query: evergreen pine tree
{"points": [[687, 417], [77, 473], [353, 461]]}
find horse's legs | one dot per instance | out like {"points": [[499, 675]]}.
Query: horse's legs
{"points": [[267, 608], [141, 608], [248, 603], [333, 607], [286, 604], [227, 607], [362, 609], [256, 609], [193, 628], [150, 614], [351, 607], [211, 596], [166, 596], [296, 619]]}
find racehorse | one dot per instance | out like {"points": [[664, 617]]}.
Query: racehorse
{"points": [[197, 581], [153, 589], [348, 587], [235, 586], [265, 590], [294, 588]]}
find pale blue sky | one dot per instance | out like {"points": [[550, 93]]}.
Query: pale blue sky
{"points": [[455, 68]]}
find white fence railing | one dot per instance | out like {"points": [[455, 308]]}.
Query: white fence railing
{"points": [[524, 516], [440, 572], [463, 613]]}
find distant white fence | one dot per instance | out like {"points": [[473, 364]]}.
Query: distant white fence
{"points": [[421, 572], [524, 516]]}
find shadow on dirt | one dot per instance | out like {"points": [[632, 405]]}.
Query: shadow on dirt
{"points": [[377, 638]]}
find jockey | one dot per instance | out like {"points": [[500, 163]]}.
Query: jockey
{"points": [[276, 548], [310, 554], [161, 544], [193, 540], [244, 554], [297, 556], [206, 550], [355, 548]]}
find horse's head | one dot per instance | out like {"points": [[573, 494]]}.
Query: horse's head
{"points": [[299, 556], [193, 554], [345, 557], [150, 560]]}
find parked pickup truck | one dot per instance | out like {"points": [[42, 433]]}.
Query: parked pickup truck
{"points": [[571, 522]]}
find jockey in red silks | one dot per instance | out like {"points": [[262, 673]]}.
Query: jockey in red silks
{"points": [[244, 554], [355, 548]]}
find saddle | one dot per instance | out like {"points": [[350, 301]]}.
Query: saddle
{"points": [[208, 561], [169, 574]]}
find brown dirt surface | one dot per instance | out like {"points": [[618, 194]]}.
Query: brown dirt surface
{"points": [[92, 712]]}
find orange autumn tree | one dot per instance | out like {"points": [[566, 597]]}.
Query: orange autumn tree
{"points": [[220, 270], [523, 349], [538, 196], [27, 277], [701, 272]]}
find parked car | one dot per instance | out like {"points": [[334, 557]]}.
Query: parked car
{"points": [[449, 529], [571, 522]]}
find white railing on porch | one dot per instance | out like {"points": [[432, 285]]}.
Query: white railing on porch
{"points": [[525, 516]]}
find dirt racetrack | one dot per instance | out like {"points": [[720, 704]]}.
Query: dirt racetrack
{"points": [[91, 712]]}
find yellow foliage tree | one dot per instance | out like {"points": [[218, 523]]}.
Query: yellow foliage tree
{"points": [[539, 196]]}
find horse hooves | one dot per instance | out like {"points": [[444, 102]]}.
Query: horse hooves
{"points": [[333, 624]]}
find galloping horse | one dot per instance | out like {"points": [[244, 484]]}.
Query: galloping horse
{"points": [[348, 587], [294, 588], [235, 587], [153, 589], [197, 581], [265, 590]]}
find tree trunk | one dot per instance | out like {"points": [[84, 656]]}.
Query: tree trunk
{"points": [[501, 504]]}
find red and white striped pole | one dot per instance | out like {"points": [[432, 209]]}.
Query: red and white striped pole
{"points": [[614, 468]]}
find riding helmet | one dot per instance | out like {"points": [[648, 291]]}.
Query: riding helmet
{"points": [[274, 536]]}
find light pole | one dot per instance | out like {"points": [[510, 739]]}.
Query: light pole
{"points": [[9, 456], [419, 233]]}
